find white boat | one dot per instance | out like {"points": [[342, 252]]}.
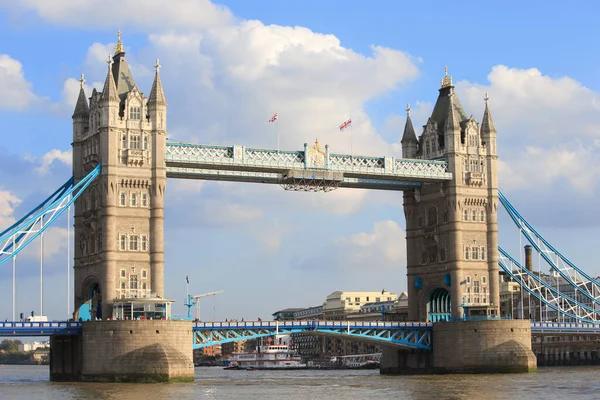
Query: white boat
{"points": [[273, 356]]}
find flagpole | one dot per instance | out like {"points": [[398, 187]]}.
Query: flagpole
{"points": [[351, 150], [277, 132]]}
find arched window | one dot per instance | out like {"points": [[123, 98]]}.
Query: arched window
{"points": [[135, 113], [145, 142], [133, 200], [474, 216], [466, 215]]}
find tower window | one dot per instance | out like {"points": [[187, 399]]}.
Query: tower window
{"points": [[122, 198], [133, 242], [124, 142], [466, 253], [133, 200], [133, 282], [144, 244], [123, 272], [475, 253], [144, 273], [123, 243], [144, 200], [474, 216], [442, 252], [483, 253], [146, 142], [123, 285], [482, 216], [135, 142], [466, 215], [432, 217], [135, 113]]}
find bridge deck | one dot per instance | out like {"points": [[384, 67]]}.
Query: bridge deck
{"points": [[238, 163]]}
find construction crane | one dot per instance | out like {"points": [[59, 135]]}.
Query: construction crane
{"points": [[194, 300]]}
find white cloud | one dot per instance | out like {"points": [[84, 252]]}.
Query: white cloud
{"points": [[8, 203], [548, 128], [384, 247], [16, 92], [179, 14], [46, 160]]}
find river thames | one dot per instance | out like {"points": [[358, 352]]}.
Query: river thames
{"points": [[31, 382]]}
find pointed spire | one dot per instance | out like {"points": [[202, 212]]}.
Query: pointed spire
{"points": [[157, 95], [81, 108], [409, 132], [109, 93], [487, 125], [452, 118]]}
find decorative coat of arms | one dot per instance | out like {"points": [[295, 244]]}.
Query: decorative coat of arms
{"points": [[316, 156]]}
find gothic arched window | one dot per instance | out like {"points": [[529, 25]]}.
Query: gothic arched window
{"points": [[135, 112]]}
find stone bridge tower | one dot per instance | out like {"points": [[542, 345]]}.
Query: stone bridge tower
{"points": [[119, 219], [451, 228]]}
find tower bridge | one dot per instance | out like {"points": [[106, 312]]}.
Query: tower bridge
{"points": [[448, 176]]}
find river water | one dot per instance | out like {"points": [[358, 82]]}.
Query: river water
{"points": [[31, 382]]}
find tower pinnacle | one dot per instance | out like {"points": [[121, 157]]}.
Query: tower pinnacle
{"points": [[157, 95], [487, 125], [82, 80], [447, 81], [109, 92], [119, 45]]}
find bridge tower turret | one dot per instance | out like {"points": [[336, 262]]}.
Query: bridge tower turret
{"points": [[119, 250], [451, 227]]}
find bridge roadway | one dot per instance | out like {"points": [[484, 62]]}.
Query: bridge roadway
{"points": [[414, 335]]}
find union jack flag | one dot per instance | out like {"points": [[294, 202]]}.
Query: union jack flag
{"points": [[345, 124], [274, 118]]}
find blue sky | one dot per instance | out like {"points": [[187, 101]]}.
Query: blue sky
{"points": [[228, 66]]}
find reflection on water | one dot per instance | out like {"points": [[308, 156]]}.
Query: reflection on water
{"points": [[31, 382]]}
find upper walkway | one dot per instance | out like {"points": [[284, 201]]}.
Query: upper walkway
{"points": [[239, 163]]}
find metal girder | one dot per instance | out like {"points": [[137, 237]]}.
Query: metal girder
{"points": [[584, 285], [409, 335], [194, 161], [20, 234], [40, 328], [545, 292], [277, 178]]}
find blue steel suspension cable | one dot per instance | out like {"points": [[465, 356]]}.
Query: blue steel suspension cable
{"points": [[74, 192], [521, 222], [546, 286]]}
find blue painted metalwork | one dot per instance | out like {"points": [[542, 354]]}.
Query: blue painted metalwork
{"points": [[16, 238], [546, 293], [238, 163], [555, 328], [439, 306], [40, 328], [413, 335], [585, 285]]}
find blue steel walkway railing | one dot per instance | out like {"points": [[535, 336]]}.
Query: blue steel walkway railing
{"points": [[414, 335], [40, 328]]}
